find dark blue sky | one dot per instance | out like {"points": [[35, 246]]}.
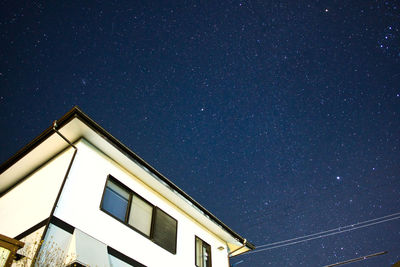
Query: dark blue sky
{"points": [[281, 118]]}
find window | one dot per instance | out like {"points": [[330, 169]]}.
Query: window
{"points": [[164, 232], [131, 209], [115, 200], [140, 215], [203, 253]]}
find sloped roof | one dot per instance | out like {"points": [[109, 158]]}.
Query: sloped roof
{"points": [[76, 125]]}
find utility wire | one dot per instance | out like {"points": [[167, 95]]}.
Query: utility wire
{"points": [[331, 230], [325, 233], [321, 236], [357, 259]]}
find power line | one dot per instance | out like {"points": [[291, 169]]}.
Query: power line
{"points": [[331, 230], [357, 259], [323, 234]]}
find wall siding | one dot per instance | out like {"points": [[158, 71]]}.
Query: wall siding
{"points": [[31, 201], [79, 206]]}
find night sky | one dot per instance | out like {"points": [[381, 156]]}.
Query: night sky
{"points": [[280, 117]]}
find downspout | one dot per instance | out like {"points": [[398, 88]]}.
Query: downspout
{"points": [[58, 195]]}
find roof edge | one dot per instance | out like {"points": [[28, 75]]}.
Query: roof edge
{"points": [[76, 112], [34, 143]]}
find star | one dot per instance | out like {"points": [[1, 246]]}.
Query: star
{"points": [[272, 129]]}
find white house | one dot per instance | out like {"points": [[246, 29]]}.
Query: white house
{"points": [[88, 200]]}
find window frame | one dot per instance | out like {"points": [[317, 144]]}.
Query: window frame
{"points": [[118, 183], [195, 251], [154, 218], [128, 209], [152, 214]]}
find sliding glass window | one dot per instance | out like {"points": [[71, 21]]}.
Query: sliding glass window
{"points": [[136, 212]]}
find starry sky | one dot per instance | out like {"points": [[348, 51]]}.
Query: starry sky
{"points": [[287, 111]]}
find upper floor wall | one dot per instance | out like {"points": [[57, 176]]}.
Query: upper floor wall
{"points": [[31, 201], [80, 206]]}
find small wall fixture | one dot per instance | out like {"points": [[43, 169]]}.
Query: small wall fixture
{"points": [[221, 248]]}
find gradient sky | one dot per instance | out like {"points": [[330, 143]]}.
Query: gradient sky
{"points": [[280, 117]]}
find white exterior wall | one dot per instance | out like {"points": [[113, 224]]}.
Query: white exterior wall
{"points": [[79, 206], [31, 201]]}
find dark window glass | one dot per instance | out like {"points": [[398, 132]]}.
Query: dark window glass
{"points": [[164, 231], [115, 200], [136, 212], [203, 253]]}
